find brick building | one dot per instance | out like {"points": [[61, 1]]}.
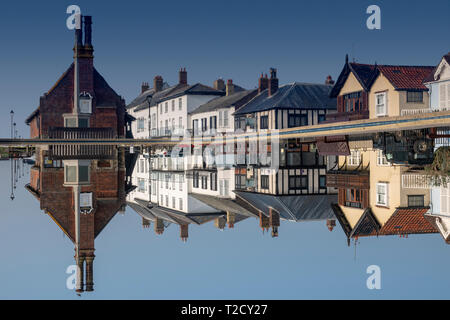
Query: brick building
{"points": [[99, 106]]}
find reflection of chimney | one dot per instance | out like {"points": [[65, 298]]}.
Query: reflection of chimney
{"points": [[183, 76], [331, 223], [80, 274], [231, 219], [263, 83], [90, 273], [274, 221], [88, 32], [220, 222], [184, 232], [145, 223], [158, 226], [329, 81], [219, 84], [158, 83], [230, 87], [273, 82], [144, 87], [263, 222]]}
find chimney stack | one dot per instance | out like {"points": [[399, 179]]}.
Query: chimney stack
{"points": [[80, 274], [230, 87], [145, 223], [90, 273], [331, 223], [274, 221], [263, 83], [219, 84], [158, 226], [273, 82], [231, 219], [144, 87], [88, 32], [158, 83], [220, 222], [263, 222], [329, 81], [184, 232], [183, 76]]}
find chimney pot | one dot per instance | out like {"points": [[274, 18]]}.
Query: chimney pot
{"points": [[329, 81], [144, 87], [219, 84], [183, 76], [273, 82], [158, 83], [263, 83]]}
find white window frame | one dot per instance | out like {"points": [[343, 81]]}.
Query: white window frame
{"points": [[384, 105], [381, 159], [354, 159], [383, 202]]}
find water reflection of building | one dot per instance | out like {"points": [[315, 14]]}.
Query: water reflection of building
{"points": [[376, 197]]}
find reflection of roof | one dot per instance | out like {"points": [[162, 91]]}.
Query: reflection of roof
{"points": [[224, 205], [408, 221], [434, 219], [292, 96], [367, 225], [236, 99], [292, 207]]}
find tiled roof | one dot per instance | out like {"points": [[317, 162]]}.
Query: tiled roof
{"points": [[408, 221], [236, 99], [364, 73], [367, 225], [292, 96], [406, 77], [430, 77]]}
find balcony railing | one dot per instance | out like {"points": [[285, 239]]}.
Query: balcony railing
{"points": [[416, 181], [407, 112], [348, 179]]}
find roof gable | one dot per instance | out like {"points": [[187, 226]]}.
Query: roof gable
{"points": [[364, 74]]}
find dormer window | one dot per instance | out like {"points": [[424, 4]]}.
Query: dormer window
{"points": [[85, 103]]}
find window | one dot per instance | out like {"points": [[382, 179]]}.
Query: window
{"points": [[204, 124], [414, 96], [225, 118], [293, 158], [71, 123], [167, 200], [83, 123], [195, 181], [354, 159], [416, 201], [381, 158], [160, 108], [213, 178], [321, 118], [444, 96], [180, 122], [83, 173], [265, 182], [224, 187], [297, 120], [195, 126], [141, 185], [353, 102], [213, 122], [264, 122], [180, 103], [173, 202], [445, 200], [298, 182], [382, 194], [181, 203], [381, 104], [73, 174], [173, 108], [240, 181], [166, 107]]}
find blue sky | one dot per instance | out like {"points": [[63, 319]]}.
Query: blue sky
{"points": [[306, 261], [136, 40]]}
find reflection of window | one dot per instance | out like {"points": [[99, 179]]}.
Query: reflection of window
{"points": [[381, 158], [71, 174], [381, 104], [83, 123], [180, 103], [321, 118], [382, 194], [354, 159], [71, 123], [181, 203], [76, 174], [204, 182], [293, 158], [224, 187], [298, 182], [322, 182], [141, 185], [240, 181], [214, 181], [416, 201], [354, 198], [265, 182]]}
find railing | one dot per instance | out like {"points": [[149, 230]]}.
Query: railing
{"points": [[415, 181], [407, 112], [73, 151]]}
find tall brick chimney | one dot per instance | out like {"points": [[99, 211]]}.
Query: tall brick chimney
{"points": [[273, 82], [158, 83], [184, 232], [263, 83], [183, 76], [230, 87], [329, 81], [144, 87], [220, 222], [219, 84]]}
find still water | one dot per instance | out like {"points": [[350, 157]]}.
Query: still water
{"points": [[151, 227]]}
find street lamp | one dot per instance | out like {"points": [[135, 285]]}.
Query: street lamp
{"points": [[12, 117]]}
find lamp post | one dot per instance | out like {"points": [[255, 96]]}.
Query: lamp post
{"points": [[12, 120]]}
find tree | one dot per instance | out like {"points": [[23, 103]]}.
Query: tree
{"points": [[439, 170]]}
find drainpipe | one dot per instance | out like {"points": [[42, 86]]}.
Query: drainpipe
{"points": [[76, 197]]}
